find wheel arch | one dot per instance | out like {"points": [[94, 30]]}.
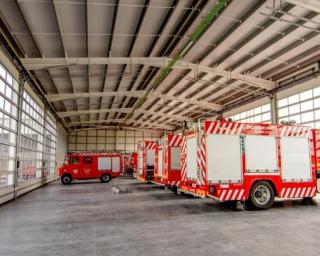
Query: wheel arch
{"points": [[270, 181], [67, 174]]}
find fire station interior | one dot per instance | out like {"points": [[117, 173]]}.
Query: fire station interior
{"points": [[159, 127]]}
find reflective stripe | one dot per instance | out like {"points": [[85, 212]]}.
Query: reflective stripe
{"points": [[240, 197], [228, 195], [292, 192], [287, 192], [222, 195], [234, 194]]}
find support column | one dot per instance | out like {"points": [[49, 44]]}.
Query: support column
{"points": [[19, 123], [43, 162], [274, 109]]}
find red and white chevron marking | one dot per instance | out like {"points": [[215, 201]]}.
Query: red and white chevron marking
{"points": [[298, 192], [151, 145], [97, 154], [225, 128], [176, 141], [175, 183], [183, 158], [202, 160], [295, 131], [231, 195]]}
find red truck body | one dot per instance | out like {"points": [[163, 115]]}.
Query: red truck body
{"points": [[167, 171], [231, 161], [89, 165]]}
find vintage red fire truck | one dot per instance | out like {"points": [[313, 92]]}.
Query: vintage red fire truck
{"points": [[147, 152], [167, 171], [88, 165], [230, 161]]}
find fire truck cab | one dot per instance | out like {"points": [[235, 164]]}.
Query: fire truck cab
{"points": [[77, 166]]}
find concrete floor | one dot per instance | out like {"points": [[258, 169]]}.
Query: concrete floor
{"points": [[87, 219]]}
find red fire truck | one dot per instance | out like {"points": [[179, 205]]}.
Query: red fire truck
{"points": [[147, 152], [89, 165], [134, 161], [129, 163], [231, 161], [167, 171]]}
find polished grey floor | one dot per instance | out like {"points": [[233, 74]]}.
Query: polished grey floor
{"points": [[87, 219]]}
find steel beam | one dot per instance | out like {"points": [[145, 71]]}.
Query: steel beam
{"points": [[121, 110], [312, 5], [92, 111], [139, 122], [137, 94], [69, 96], [115, 127], [44, 63], [169, 64]]}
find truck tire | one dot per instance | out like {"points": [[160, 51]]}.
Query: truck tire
{"points": [[262, 195], [105, 178], [66, 179]]}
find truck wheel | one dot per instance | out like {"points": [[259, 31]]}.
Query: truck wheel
{"points": [[262, 195], [66, 179], [105, 178]]}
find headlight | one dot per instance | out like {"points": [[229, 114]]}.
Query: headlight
{"points": [[211, 190]]}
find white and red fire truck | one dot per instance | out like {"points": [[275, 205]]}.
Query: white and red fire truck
{"points": [[89, 165], [230, 161], [167, 171], [147, 152]]}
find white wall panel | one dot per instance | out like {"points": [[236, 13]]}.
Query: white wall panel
{"points": [[130, 140], [72, 139], [91, 147], [91, 140], [121, 140], [72, 147], [81, 147], [109, 140], [101, 146], [101, 133], [92, 133], [111, 133], [81, 133], [110, 147], [81, 140]]}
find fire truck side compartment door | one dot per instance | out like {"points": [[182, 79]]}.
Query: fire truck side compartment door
{"points": [[223, 158], [261, 153], [150, 157], [160, 162], [191, 164], [295, 158], [116, 164], [175, 158], [104, 163], [140, 162]]}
